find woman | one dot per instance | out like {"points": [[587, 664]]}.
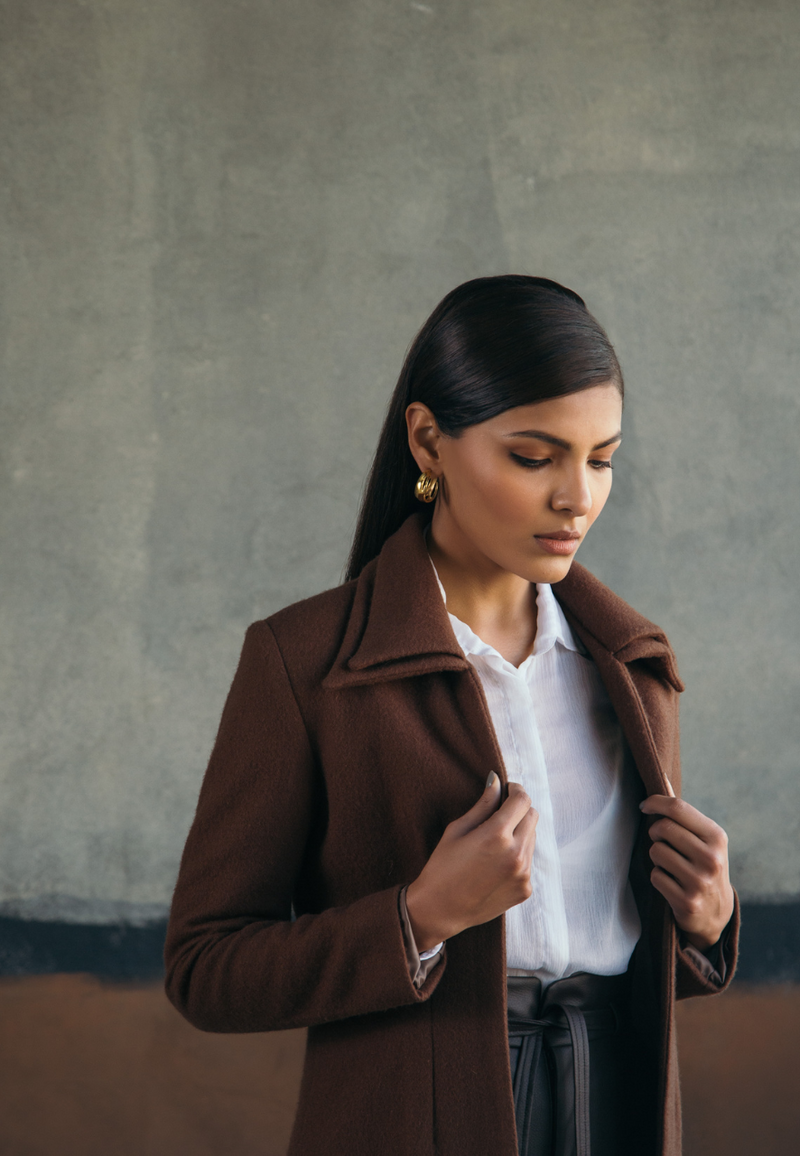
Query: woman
{"points": [[484, 966]]}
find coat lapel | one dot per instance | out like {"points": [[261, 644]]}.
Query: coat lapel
{"points": [[398, 625], [617, 637]]}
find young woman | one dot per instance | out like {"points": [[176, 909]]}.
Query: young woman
{"points": [[441, 826]]}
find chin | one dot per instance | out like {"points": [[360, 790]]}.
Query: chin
{"points": [[562, 570], [549, 570]]}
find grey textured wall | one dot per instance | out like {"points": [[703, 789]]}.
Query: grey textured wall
{"points": [[222, 225]]}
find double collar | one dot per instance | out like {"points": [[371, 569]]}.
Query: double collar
{"points": [[399, 627]]}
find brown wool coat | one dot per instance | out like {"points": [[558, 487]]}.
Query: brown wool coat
{"points": [[354, 731]]}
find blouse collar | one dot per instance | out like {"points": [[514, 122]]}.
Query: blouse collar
{"points": [[551, 628]]}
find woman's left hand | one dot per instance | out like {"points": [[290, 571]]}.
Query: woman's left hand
{"points": [[691, 856]]}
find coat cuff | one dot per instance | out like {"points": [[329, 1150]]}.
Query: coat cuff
{"points": [[710, 962], [711, 971], [419, 966]]}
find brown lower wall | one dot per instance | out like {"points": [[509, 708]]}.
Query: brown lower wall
{"points": [[89, 1069]]}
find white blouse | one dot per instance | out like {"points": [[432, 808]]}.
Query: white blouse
{"points": [[561, 740]]}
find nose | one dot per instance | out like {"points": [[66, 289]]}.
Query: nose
{"points": [[573, 495]]}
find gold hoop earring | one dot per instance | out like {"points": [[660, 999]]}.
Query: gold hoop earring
{"points": [[427, 487]]}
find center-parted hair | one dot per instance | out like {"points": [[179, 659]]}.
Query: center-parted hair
{"points": [[489, 345]]}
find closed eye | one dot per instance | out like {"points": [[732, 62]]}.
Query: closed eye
{"points": [[530, 463], [537, 463]]}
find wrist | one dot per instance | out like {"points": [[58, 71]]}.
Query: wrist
{"points": [[701, 942], [428, 930], [708, 936]]}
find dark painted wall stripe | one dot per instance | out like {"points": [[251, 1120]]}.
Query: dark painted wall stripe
{"points": [[770, 947], [111, 951]]}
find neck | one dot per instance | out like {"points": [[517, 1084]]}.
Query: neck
{"points": [[498, 606]]}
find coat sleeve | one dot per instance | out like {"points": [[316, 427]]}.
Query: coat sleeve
{"points": [[235, 959]]}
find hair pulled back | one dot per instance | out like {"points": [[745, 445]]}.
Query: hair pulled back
{"points": [[489, 345]]}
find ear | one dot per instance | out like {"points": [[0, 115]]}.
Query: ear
{"points": [[424, 437]]}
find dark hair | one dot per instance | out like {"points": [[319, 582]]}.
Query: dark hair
{"points": [[491, 344]]}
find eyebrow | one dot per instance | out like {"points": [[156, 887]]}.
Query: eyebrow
{"points": [[554, 441]]}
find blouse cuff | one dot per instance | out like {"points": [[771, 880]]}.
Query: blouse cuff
{"points": [[710, 962], [420, 964]]}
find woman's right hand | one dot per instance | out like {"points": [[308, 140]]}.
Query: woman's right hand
{"points": [[481, 866]]}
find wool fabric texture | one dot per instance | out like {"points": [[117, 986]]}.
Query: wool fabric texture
{"points": [[354, 731]]}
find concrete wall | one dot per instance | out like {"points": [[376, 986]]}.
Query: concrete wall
{"points": [[222, 225]]}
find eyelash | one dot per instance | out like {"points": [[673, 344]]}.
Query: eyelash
{"points": [[537, 463]]}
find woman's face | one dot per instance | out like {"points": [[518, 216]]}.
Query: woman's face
{"points": [[520, 491]]}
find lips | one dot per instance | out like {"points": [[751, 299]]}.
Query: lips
{"points": [[559, 541]]}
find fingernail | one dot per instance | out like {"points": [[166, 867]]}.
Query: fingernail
{"points": [[490, 781]]}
